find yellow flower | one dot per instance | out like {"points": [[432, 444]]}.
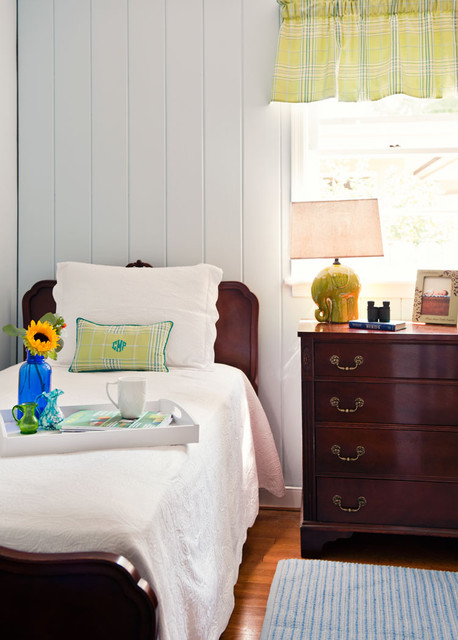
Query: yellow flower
{"points": [[41, 338]]}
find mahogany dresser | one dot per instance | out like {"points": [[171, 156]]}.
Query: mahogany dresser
{"points": [[380, 432]]}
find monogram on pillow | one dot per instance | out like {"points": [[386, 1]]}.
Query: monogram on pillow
{"points": [[102, 347]]}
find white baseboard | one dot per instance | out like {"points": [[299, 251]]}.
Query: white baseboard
{"points": [[291, 500]]}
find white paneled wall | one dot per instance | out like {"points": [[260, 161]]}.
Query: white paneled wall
{"points": [[145, 131], [8, 190], [37, 232], [223, 143], [132, 121], [262, 198], [71, 130], [185, 131]]}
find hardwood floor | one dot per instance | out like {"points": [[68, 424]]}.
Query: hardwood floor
{"points": [[275, 535]]}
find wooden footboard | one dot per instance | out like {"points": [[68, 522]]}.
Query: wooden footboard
{"points": [[74, 596]]}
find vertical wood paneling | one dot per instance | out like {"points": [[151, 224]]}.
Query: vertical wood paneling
{"points": [[262, 198], [291, 418], [166, 149], [72, 64], [184, 47], [36, 141], [110, 238], [8, 212], [292, 310], [223, 135], [147, 179]]}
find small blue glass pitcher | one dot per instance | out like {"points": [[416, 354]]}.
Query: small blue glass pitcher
{"points": [[51, 415]]}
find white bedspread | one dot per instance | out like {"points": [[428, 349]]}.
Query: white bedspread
{"points": [[180, 513]]}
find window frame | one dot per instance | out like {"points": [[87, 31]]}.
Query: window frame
{"points": [[301, 126]]}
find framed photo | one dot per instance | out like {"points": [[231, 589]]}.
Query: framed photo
{"points": [[436, 297]]}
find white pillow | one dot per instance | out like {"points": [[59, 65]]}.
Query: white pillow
{"points": [[119, 295]]}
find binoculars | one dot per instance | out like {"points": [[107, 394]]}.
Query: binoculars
{"points": [[378, 314]]}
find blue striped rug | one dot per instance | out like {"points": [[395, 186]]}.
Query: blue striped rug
{"points": [[323, 600]]}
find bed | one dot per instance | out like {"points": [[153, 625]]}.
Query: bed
{"points": [[139, 543]]}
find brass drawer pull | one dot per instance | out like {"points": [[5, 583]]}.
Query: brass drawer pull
{"points": [[335, 402], [357, 360], [337, 500], [360, 451]]}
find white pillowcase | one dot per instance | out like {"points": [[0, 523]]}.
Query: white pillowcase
{"points": [[120, 295]]}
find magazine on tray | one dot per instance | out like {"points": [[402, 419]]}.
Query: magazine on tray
{"points": [[88, 420]]}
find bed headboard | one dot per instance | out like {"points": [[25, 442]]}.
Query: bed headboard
{"points": [[236, 330]]}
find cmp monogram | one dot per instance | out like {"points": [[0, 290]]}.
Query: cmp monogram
{"points": [[118, 345]]}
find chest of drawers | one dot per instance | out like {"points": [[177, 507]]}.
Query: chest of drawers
{"points": [[380, 432]]}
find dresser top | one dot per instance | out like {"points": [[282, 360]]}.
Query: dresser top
{"points": [[412, 331]]}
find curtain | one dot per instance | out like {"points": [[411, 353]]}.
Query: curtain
{"points": [[366, 49]]}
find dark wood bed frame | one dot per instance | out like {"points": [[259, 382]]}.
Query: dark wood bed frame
{"points": [[89, 596]]}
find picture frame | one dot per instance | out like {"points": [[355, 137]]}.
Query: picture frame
{"points": [[436, 297]]}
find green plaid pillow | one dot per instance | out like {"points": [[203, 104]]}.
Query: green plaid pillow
{"points": [[103, 347]]}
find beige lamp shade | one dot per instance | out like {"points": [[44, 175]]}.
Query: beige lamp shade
{"points": [[336, 229]]}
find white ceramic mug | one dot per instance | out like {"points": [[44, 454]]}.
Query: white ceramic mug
{"points": [[131, 396]]}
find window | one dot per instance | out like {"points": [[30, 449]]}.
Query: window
{"points": [[401, 150]]}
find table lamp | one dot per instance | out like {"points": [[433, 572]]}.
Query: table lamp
{"points": [[336, 229]]}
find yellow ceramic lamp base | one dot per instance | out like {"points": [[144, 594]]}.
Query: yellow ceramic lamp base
{"points": [[336, 290]]}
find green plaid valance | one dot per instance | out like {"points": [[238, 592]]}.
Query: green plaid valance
{"points": [[366, 49]]}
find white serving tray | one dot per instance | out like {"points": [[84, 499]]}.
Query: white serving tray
{"points": [[181, 430]]}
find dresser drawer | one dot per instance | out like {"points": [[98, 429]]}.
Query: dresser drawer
{"points": [[421, 504], [386, 360], [400, 402], [427, 454]]}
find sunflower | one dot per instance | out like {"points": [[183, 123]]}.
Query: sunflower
{"points": [[41, 338]]}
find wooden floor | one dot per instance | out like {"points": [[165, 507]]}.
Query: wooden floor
{"points": [[275, 535]]}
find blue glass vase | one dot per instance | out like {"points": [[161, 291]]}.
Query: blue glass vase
{"points": [[34, 378]]}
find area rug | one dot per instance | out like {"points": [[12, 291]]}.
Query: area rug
{"points": [[324, 600]]}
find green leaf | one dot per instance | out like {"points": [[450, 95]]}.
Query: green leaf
{"points": [[52, 355], [11, 330], [60, 344], [48, 317]]}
